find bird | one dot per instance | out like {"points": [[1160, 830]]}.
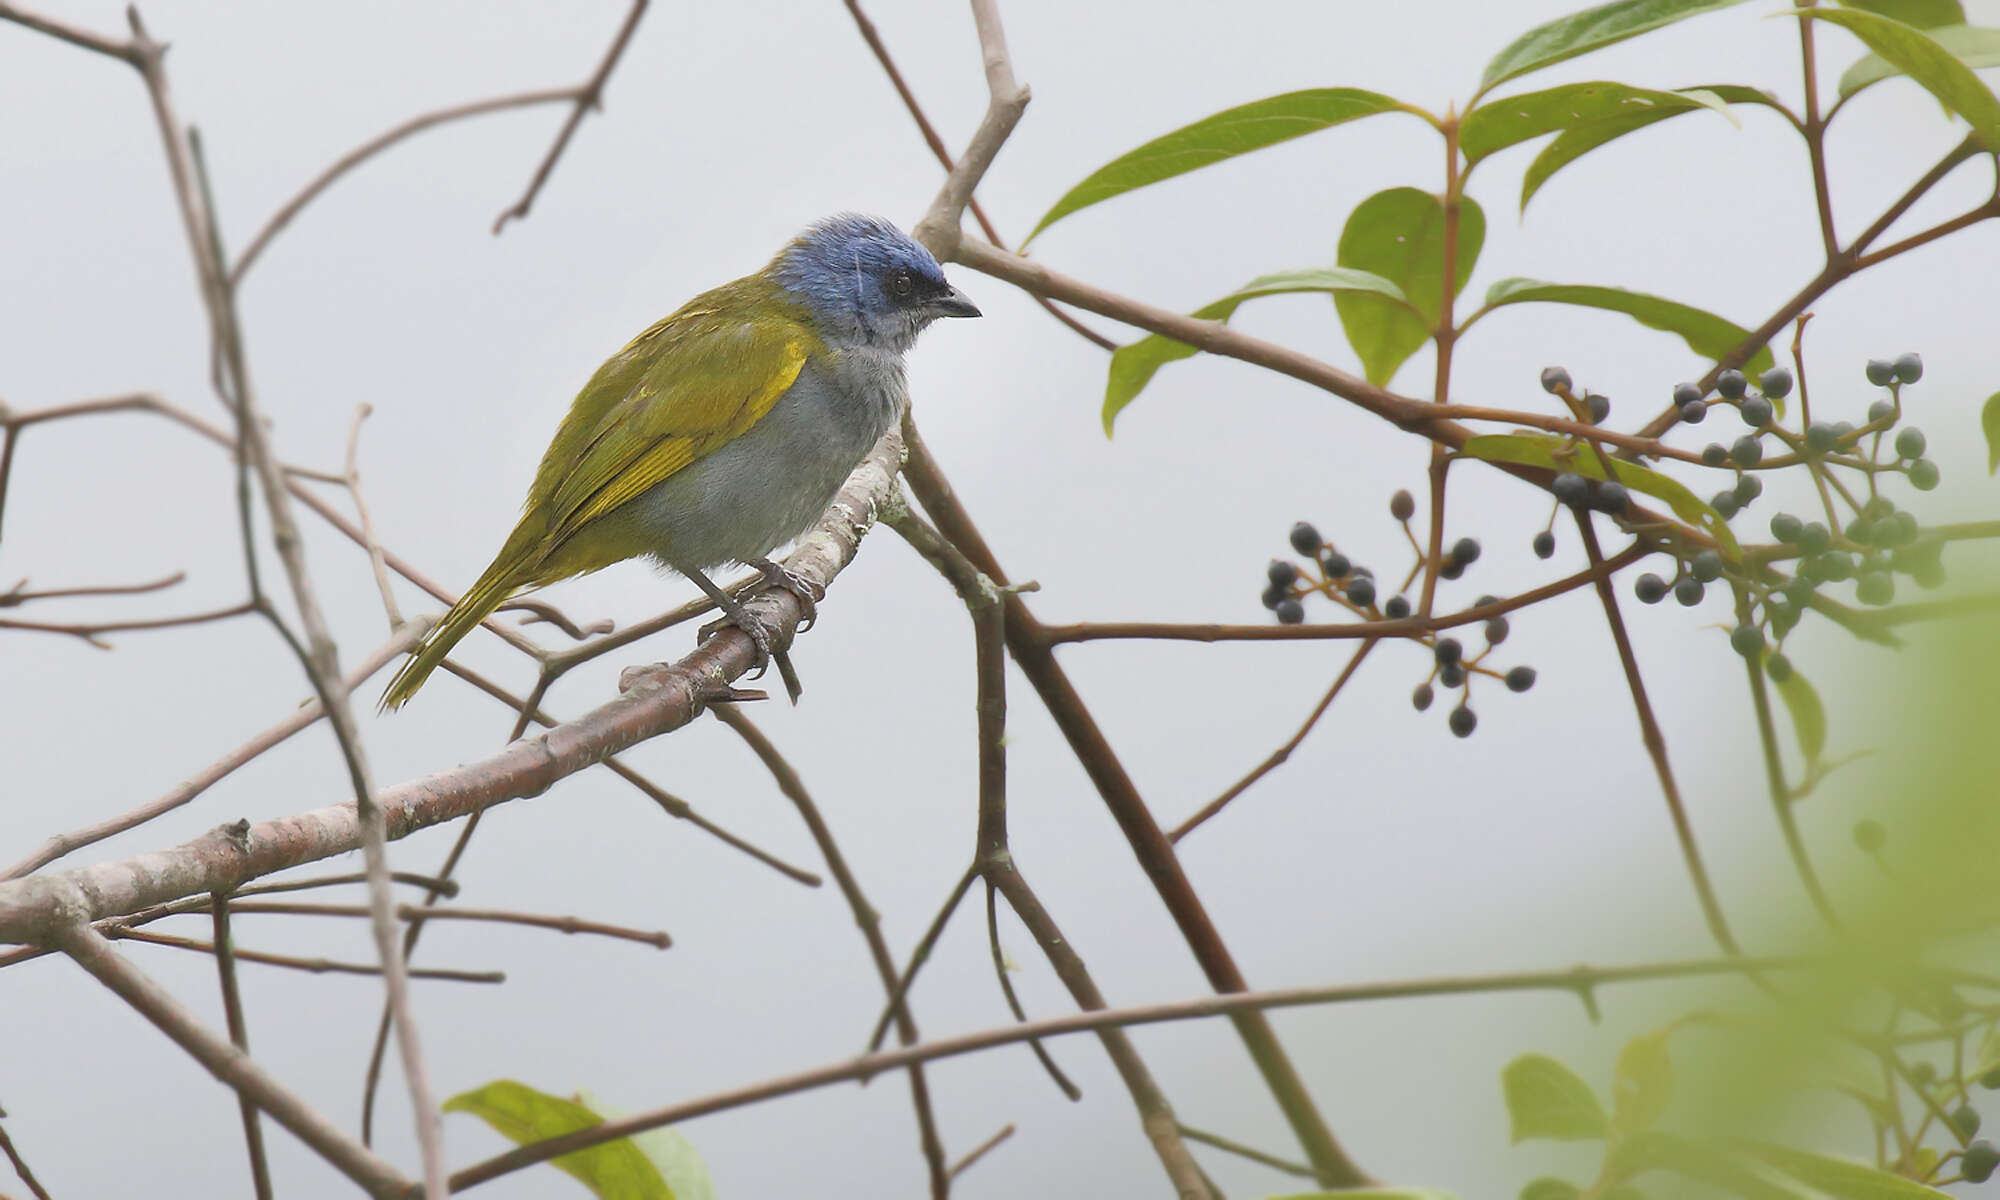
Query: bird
{"points": [[723, 431]]}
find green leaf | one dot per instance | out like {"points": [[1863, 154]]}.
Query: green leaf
{"points": [[1224, 135], [1498, 124], [1642, 1083], [1924, 14], [1399, 235], [1840, 1177], [1657, 1151], [1705, 333], [1132, 366], [1574, 143], [1548, 1187], [1989, 420], [1973, 45], [1988, 1057], [615, 1170], [680, 1164], [1932, 66], [1546, 1099], [1559, 454], [1808, 714], [1591, 29]]}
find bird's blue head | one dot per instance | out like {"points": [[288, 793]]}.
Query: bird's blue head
{"points": [[866, 282]]}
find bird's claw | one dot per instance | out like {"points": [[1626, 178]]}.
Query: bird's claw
{"points": [[754, 629], [779, 576]]}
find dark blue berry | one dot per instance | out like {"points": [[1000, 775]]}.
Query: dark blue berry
{"points": [[1465, 551], [1422, 697], [1463, 722], [1520, 679], [1714, 454], [1453, 675], [1545, 544], [1820, 437], [1397, 608], [1554, 379], [1724, 503], [1496, 631], [1908, 367], [1880, 371], [1689, 591], [1305, 539], [1786, 528], [1612, 497], [1882, 412], [1747, 640], [1730, 385], [1650, 588], [1746, 451], [1748, 488], [1281, 572], [1402, 505], [1694, 412], [1814, 538], [1686, 394], [1706, 566], [1274, 595], [1778, 667], [1599, 406], [1290, 611], [1335, 565], [1448, 651], [1361, 590], [1571, 489], [1756, 412], [1775, 383]]}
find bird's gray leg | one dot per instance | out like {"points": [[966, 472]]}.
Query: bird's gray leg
{"points": [[758, 632], [808, 592]]}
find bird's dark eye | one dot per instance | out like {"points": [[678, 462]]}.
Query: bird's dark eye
{"points": [[900, 283]]}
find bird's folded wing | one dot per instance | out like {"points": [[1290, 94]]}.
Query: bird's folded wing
{"points": [[683, 389]]}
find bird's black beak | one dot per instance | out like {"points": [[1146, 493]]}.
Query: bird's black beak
{"points": [[954, 304]]}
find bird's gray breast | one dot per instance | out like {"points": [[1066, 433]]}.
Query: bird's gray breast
{"points": [[770, 484]]}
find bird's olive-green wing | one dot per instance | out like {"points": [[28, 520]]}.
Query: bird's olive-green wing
{"points": [[680, 391]]}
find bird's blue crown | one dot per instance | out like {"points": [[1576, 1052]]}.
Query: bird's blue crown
{"points": [[863, 279]]}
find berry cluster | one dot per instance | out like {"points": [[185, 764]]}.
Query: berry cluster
{"points": [[1333, 575], [1873, 545]]}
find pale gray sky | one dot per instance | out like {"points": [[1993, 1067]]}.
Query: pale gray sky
{"points": [[1386, 848]]}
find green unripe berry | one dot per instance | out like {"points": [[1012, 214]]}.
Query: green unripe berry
{"points": [[1778, 667], [1923, 474], [1882, 412], [1924, 1073], [1714, 455], [1545, 544], [1689, 591], [1908, 367], [1463, 722], [1756, 412], [1978, 1161], [1880, 371], [1775, 383], [1820, 437], [1786, 528], [1305, 539], [1910, 442], [1875, 587], [1747, 640], [1422, 697], [1843, 431], [1686, 394], [1833, 566], [1554, 380], [1650, 588], [1706, 566], [1290, 611], [1991, 1080], [1870, 836], [1965, 1119], [1520, 679], [1731, 384], [1815, 538]]}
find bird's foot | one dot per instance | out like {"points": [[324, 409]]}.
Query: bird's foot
{"points": [[777, 575], [760, 635]]}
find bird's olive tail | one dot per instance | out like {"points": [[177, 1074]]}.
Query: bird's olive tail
{"points": [[492, 589]]}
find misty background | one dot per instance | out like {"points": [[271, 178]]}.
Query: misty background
{"points": [[1384, 849]]}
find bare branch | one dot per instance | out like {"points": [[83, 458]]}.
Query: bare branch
{"points": [[316, 966], [1006, 100], [21, 1166], [978, 1152], [655, 938], [19, 593], [589, 96], [239, 1036], [352, 478], [89, 949], [84, 38]]}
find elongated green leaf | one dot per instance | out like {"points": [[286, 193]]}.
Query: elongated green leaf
{"points": [[1924, 14], [680, 1164], [1373, 1193], [1989, 422], [1840, 1177], [1505, 122], [1642, 1083], [615, 1170], [1658, 1151], [1574, 143], [1548, 1187], [1546, 1100], [1705, 333], [1132, 366], [1917, 55], [1973, 45], [1590, 29], [1213, 139], [1399, 235], [1557, 454], [1808, 714]]}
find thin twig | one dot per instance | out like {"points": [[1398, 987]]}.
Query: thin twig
{"points": [[19, 593], [352, 478], [589, 96], [1277, 757], [375, 1175], [316, 966], [91, 632], [1250, 1152], [920, 955], [794, 789], [656, 938], [1055, 1073], [239, 1036], [1656, 743], [7, 1147], [978, 1152], [1566, 981], [1006, 100]]}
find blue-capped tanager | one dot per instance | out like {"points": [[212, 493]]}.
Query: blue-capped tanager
{"points": [[723, 431]]}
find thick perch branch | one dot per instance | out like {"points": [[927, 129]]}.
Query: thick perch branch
{"points": [[36, 908]]}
